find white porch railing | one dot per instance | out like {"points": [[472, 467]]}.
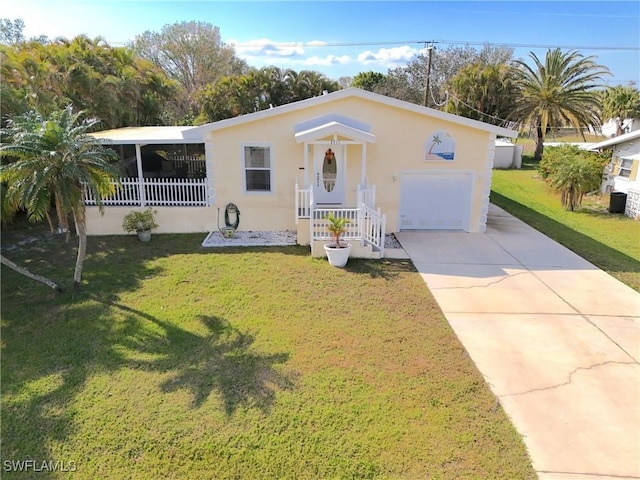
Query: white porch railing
{"points": [[366, 225], [193, 164], [303, 202], [366, 195], [319, 223], [186, 192], [373, 227]]}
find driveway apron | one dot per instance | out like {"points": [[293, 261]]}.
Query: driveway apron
{"points": [[556, 338]]}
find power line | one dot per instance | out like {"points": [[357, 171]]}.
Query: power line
{"points": [[446, 42], [420, 42]]}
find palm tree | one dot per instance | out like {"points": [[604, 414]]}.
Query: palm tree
{"points": [[620, 103], [55, 161], [557, 92]]}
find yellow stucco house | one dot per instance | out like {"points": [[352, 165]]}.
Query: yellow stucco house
{"points": [[386, 164]]}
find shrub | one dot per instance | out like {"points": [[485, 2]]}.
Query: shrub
{"points": [[572, 172]]}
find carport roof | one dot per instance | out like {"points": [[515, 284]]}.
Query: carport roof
{"points": [[149, 135]]}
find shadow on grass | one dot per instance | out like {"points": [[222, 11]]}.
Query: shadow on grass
{"points": [[221, 360], [387, 269], [53, 345], [595, 252]]}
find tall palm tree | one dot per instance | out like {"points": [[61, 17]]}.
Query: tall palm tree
{"points": [[55, 161], [619, 103], [557, 92]]}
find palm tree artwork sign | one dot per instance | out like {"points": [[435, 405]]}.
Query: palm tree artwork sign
{"points": [[440, 146]]}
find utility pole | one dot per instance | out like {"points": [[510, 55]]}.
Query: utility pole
{"points": [[428, 78]]}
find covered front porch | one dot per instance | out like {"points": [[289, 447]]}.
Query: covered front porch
{"points": [[159, 166], [334, 145]]}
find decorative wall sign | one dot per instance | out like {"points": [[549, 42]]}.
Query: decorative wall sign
{"points": [[440, 146]]}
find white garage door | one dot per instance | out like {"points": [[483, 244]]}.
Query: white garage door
{"points": [[435, 200]]}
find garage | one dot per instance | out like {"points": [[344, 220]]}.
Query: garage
{"points": [[435, 200]]}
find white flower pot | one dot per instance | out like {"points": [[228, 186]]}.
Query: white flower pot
{"points": [[338, 256], [144, 235]]}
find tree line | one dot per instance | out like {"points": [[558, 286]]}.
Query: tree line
{"points": [[185, 74]]}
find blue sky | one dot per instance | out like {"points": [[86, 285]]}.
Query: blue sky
{"points": [[343, 38]]}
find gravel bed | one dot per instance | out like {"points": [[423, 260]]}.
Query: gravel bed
{"points": [[251, 239]]}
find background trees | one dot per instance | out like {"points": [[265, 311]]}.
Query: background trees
{"points": [[558, 91], [111, 83], [620, 103], [259, 89], [192, 54]]}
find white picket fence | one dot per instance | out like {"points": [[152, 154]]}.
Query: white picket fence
{"points": [[185, 192], [195, 164]]}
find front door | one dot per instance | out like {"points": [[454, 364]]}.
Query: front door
{"points": [[328, 174]]}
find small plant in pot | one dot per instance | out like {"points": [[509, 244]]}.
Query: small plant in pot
{"points": [[140, 222], [337, 251]]}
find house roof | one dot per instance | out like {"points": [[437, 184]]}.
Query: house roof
{"points": [[356, 92], [187, 134], [627, 137], [149, 135], [333, 124]]}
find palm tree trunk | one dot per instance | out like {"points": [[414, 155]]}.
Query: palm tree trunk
{"points": [[27, 273], [49, 221], [539, 144], [79, 220]]}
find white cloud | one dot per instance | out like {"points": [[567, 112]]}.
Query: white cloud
{"points": [[267, 49], [328, 60], [388, 57]]}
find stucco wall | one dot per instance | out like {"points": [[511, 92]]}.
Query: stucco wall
{"points": [[169, 219], [400, 146]]}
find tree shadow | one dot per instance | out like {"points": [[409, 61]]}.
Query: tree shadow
{"points": [[221, 360], [79, 337], [387, 269]]}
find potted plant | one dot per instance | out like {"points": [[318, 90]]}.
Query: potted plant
{"points": [[140, 222], [337, 251]]}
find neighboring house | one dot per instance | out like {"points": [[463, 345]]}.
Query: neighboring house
{"points": [[621, 175], [384, 163], [609, 128]]}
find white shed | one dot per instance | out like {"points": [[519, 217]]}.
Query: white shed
{"points": [[507, 155]]}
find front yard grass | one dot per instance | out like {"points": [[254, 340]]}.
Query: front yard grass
{"points": [[182, 362], [609, 241]]}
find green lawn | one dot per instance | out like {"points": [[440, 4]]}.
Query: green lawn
{"points": [[182, 362], [610, 241]]}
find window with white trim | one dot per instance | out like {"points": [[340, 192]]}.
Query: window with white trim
{"points": [[257, 163], [625, 167]]}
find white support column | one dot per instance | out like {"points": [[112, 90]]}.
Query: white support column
{"points": [[142, 196], [363, 173], [306, 165]]}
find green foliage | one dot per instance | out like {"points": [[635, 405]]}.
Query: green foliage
{"points": [[140, 221], [482, 91], [408, 82], [572, 172], [619, 103], [557, 92], [367, 80], [337, 226], [259, 89], [111, 83], [55, 160], [193, 55]]}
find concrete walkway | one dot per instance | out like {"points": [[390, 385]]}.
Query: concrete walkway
{"points": [[556, 338]]}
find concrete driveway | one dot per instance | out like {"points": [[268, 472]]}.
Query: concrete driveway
{"points": [[556, 338]]}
